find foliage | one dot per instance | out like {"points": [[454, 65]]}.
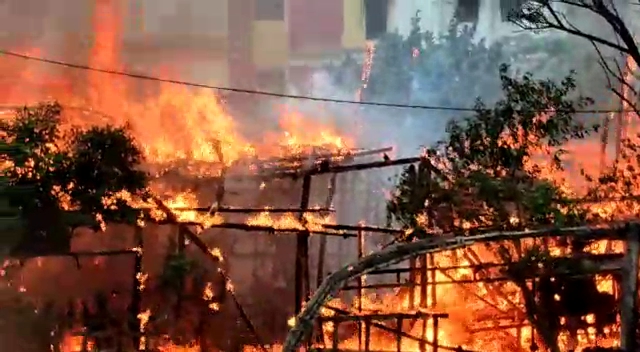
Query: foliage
{"points": [[490, 172], [485, 173], [408, 69], [59, 179]]}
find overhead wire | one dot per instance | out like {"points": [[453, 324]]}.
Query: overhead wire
{"points": [[258, 92]]}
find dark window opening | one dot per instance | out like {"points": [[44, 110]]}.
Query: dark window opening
{"points": [[509, 7], [269, 10], [376, 13], [468, 11]]}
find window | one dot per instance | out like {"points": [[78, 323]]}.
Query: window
{"points": [[269, 10], [468, 11], [507, 7], [376, 12]]}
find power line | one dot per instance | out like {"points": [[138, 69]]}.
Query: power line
{"points": [[255, 92]]}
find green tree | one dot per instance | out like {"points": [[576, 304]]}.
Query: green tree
{"points": [[56, 179], [485, 175]]}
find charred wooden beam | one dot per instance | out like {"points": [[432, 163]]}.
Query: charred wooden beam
{"points": [[341, 155], [302, 251], [629, 294], [135, 307], [271, 168], [271, 229], [356, 228], [323, 240], [338, 169], [379, 286]]}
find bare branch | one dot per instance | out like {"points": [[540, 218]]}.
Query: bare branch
{"points": [[540, 15]]}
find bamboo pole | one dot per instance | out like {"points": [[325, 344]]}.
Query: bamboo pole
{"points": [[629, 296], [302, 250], [367, 334], [434, 340], [424, 302], [361, 283], [433, 279], [399, 324], [323, 240], [404, 251], [232, 210], [136, 294]]}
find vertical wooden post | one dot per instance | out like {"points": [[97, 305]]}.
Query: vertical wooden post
{"points": [[424, 303], [182, 242], [629, 294], [335, 341], [302, 250], [361, 242], [367, 334], [424, 281], [412, 283], [322, 251], [435, 333], [136, 294], [432, 271], [400, 322], [85, 339]]}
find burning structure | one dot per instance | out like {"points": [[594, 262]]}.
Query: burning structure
{"points": [[173, 285]]}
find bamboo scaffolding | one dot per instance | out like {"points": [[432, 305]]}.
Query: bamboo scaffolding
{"points": [[302, 250], [283, 167], [361, 284], [491, 265], [432, 244], [323, 240]]}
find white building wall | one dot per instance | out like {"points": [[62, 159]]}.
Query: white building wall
{"points": [[436, 15]]}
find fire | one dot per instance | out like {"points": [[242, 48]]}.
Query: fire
{"points": [[192, 130], [289, 221], [188, 200], [73, 342], [299, 134]]}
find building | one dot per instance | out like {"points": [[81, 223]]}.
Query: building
{"points": [[244, 43], [489, 16]]}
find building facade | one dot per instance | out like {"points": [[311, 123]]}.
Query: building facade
{"points": [[243, 43]]}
